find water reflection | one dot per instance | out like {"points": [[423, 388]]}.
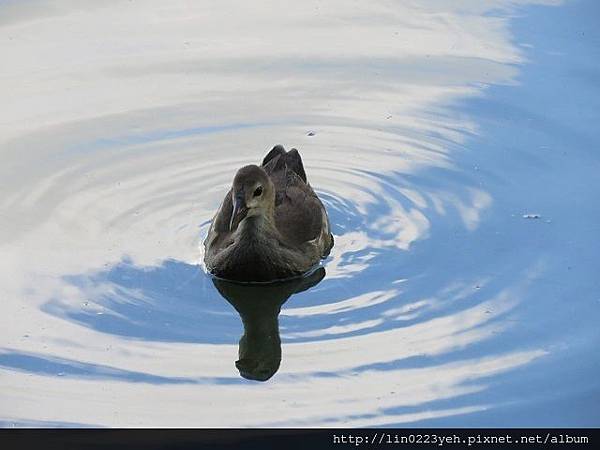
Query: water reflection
{"points": [[259, 306], [433, 134]]}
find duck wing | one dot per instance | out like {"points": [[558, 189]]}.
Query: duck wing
{"points": [[275, 152], [219, 235], [293, 161], [299, 214], [279, 161]]}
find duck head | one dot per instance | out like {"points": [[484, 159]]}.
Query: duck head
{"points": [[252, 194]]}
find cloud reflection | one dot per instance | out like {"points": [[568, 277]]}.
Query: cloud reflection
{"points": [[114, 163]]}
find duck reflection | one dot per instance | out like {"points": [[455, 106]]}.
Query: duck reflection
{"points": [[259, 306]]}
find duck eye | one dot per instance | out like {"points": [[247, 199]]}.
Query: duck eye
{"points": [[258, 191]]}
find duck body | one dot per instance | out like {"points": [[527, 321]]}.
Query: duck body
{"points": [[271, 225]]}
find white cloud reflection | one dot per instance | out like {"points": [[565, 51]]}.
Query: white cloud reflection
{"points": [[123, 123]]}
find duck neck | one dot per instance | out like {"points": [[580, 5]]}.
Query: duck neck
{"points": [[257, 226]]}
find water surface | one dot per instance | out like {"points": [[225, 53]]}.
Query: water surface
{"points": [[454, 145]]}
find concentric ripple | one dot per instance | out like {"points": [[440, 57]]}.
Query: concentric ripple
{"points": [[434, 303]]}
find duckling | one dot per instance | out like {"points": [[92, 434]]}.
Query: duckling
{"points": [[271, 224]]}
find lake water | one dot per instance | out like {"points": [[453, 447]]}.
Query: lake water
{"points": [[455, 146]]}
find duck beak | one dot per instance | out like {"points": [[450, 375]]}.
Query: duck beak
{"points": [[239, 210]]}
